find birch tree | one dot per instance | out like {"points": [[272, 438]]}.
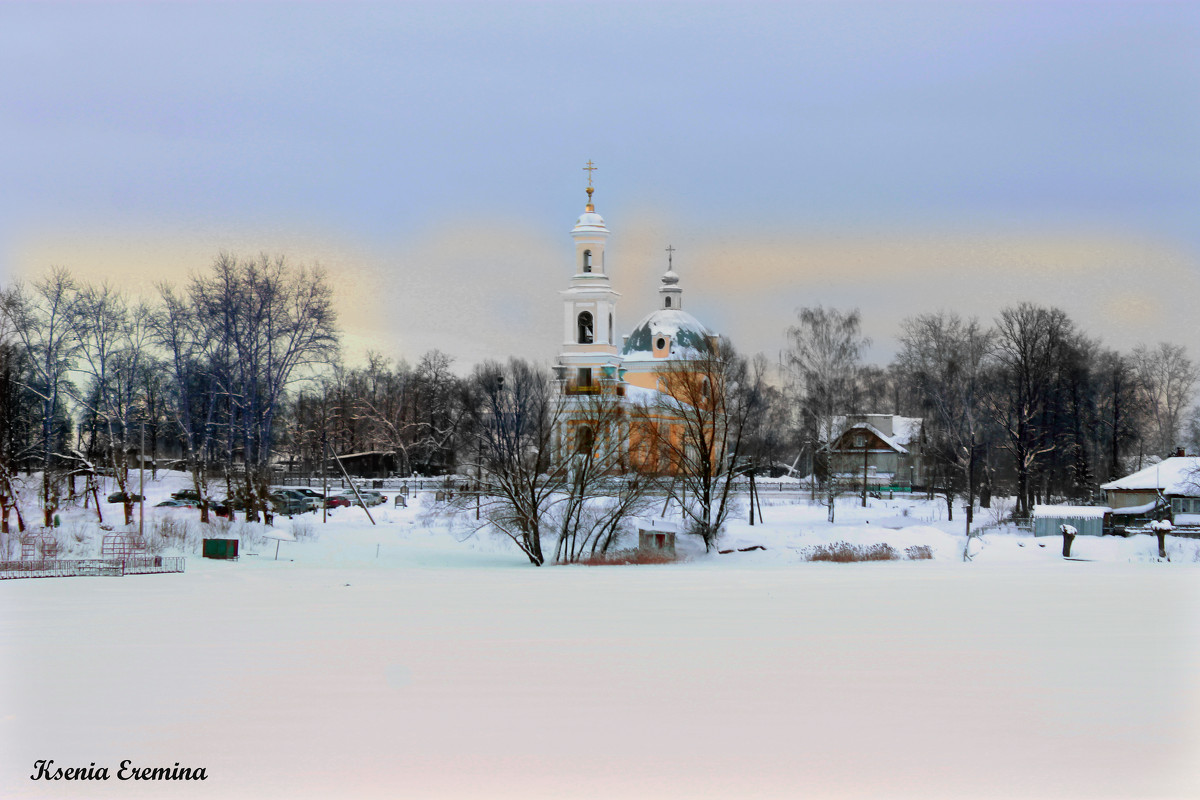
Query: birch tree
{"points": [[825, 348]]}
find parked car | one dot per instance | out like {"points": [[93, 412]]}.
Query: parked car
{"points": [[288, 502], [336, 501], [369, 498], [175, 504], [119, 497], [186, 494], [226, 506], [315, 498]]}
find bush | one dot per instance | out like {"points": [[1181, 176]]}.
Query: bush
{"points": [[303, 529], [844, 552], [169, 531], [631, 556], [919, 552]]}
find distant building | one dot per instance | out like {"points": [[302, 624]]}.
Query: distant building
{"points": [[891, 447], [1173, 483]]}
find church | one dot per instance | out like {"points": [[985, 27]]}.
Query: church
{"points": [[635, 378]]}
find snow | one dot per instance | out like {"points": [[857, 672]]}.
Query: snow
{"points": [[412, 659], [1178, 475], [1071, 512], [1134, 511], [283, 536]]}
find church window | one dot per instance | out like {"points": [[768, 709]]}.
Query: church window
{"points": [[587, 260], [610, 328], [585, 440], [585, 327], [660, 343], [584, 377], [668, 302]]}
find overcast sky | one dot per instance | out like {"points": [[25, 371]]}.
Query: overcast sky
{"points": [[896, 157]]}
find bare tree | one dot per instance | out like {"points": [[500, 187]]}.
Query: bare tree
{"points": [[16, 423], [697, 429], [512, 414], [946, 358], [192, 383], [271, 325], [823, 360], [42, 322], [1166, 378], [600, 492], [113, 340], [1031, 343]]}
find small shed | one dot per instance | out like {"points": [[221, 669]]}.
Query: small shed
{"points": [[1087, 520], [657, 536]]}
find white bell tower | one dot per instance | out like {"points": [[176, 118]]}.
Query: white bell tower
{"points": [[589, 354]]}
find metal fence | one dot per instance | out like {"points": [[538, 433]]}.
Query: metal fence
{"points": [[75, 567]]}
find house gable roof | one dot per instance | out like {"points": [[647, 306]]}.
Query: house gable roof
{"points": [[840, 444], [1178, 475]]}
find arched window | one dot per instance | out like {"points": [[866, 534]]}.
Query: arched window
{"points": [[585, 327], [668, 302], [587, 260], [610, 328]]}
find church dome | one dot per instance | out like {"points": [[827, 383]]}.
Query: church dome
{"points": [[589, 221], [688, 337]]}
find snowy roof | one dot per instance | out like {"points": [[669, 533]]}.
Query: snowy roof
{"points": [[1071, 512], [1179, 475], [905, 430], [890, 441], [1136, 511], [651, 398], [689, 337]]}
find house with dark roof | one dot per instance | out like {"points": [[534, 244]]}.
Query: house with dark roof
{"points": [[886, 447]]}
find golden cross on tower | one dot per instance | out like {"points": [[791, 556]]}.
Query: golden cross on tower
{"points": [[590, 169]]}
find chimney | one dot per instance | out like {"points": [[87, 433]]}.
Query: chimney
{"points": [[1179, 453]]}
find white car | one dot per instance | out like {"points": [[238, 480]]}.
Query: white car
{"points": [[369, 498]]}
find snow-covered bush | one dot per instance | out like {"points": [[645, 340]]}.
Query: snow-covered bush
{"points": [[919, 552], [303, 529]]}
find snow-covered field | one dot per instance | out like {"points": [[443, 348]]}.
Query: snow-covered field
{"points": [[410, 660]]}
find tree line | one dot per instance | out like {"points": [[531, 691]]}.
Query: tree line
{"points": [[1029, 406], [238, 370]]}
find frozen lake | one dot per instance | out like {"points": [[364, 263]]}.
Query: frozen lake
{"points": [[906, 679]]}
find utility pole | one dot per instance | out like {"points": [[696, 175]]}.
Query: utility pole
{"points": [[142, 484], [866, 442], [324, 447]]}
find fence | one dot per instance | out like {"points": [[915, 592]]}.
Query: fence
{"points": [[76, 567]]}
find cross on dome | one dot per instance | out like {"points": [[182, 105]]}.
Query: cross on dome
{"points": [[590, 168]]}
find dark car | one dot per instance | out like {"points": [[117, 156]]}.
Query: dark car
{"points": [[186, 494], [175, 504], [119, 497], [287, 502]]}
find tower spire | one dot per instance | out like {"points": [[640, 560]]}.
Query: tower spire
{"points": [[670, 291]]}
